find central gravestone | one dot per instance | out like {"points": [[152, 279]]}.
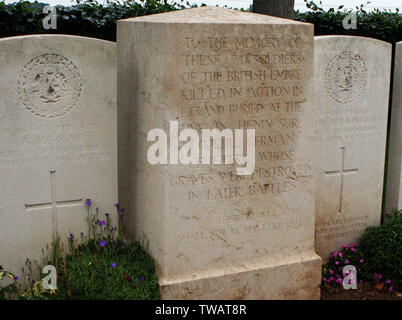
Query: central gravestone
{"points": [[215, 234]]}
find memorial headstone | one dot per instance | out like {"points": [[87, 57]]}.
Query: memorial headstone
{"points": [[352, 77], [216, 234], [58, 141]]}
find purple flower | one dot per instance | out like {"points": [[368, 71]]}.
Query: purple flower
{"points": [[71, 237], [331, 271], [347, 261], [388, 281], [114, 264], [378, 275], [117, 205], [103, 243], [340, 254], [324, 279], [123, 244], [16, 278], [339, 280], [390, 288], [353, 249], [102, 223], [88, 202], [123, 210], [142, 279], [361, 260], [337, 262]]}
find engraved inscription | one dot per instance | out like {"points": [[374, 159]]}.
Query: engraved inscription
{"points": [[49, 86]]}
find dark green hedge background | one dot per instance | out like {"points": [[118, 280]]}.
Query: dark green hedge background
{"points": [[94, 20]]}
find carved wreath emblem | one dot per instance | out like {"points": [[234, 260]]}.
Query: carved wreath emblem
{"points": [[49, 85], [346, 77]]}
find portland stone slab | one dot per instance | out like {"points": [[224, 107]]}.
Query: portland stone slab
{"points": [[58, 141], [352, 76], [393, 196], [213, 233]]}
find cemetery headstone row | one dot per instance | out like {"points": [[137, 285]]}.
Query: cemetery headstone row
{"points": [[316, 110]]}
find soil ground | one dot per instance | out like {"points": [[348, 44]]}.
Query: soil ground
{"points": [[365, 291]]}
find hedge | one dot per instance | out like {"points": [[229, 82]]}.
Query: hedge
{"points": [[95, 20]]}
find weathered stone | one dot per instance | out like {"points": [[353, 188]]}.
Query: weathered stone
{"points": [[58, 141], [393, 195], [351, 98], [215, 234]]}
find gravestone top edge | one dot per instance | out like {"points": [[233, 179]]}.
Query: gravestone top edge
{"points": [[57, 37], [212, 15], [353, 38]]}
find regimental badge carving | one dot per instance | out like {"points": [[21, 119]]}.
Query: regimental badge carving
{"points": [[346, 77], [49, 86]]}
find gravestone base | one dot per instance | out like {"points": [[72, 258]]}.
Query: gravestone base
{"points": [[294, 280]]}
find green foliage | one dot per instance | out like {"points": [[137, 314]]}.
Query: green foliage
{"points": [[379, 24], [11, 289], [98, 265], [37, 292], [115, 271], [88, 19], [382, 248], [91, 19], [350, 254], [377, 257]]}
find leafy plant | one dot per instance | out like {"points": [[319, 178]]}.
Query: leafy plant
{"points": [[377, 257], [92, 19], [108, 270], [382, 248], [37, 292], [380, 24], [86, 18], [11, 289], [98, 265]]}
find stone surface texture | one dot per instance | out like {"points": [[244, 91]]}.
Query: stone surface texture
{"points": [[213, 234], [393, 196], [58, 141], [352, 78]]}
